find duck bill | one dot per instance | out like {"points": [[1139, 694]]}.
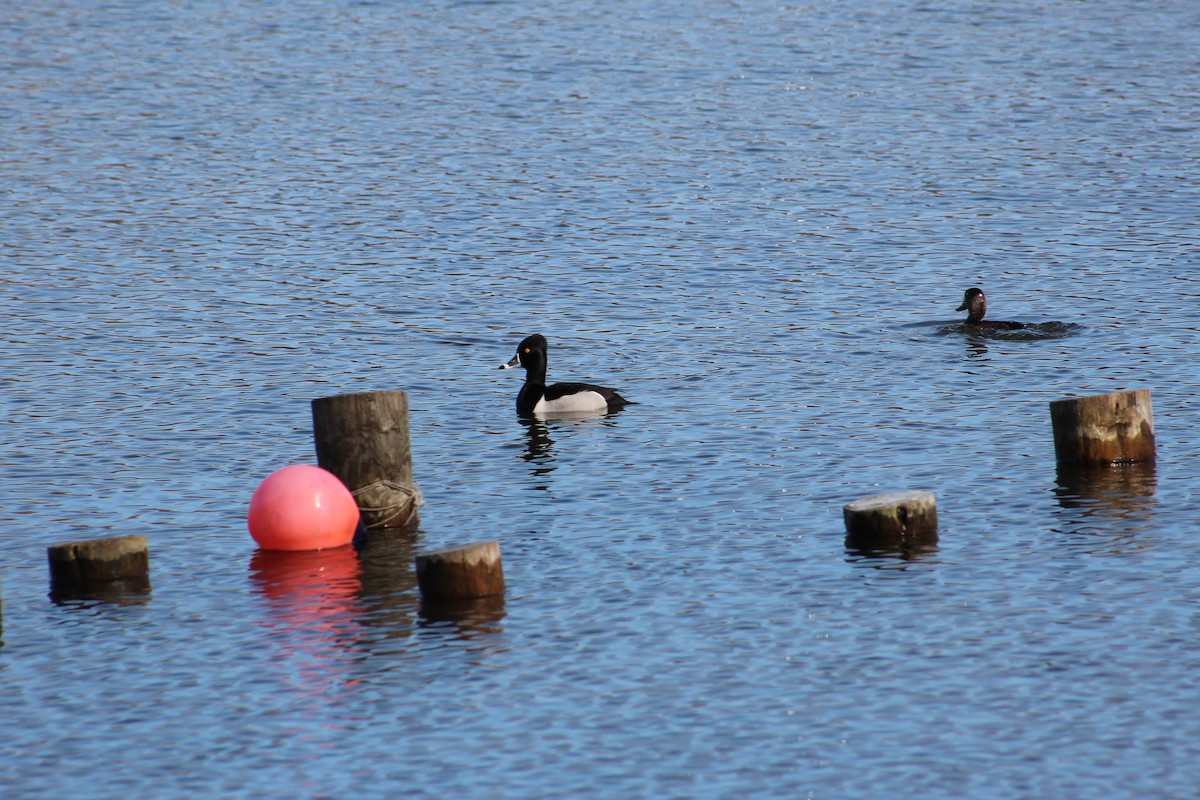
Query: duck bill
{"points": [[963, 307], [516, 360]]}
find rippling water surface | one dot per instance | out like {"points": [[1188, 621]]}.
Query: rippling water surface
{"points": [[754, 219]]}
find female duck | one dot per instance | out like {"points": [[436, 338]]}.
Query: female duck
{"points": [[536, 398], [975, 304]]}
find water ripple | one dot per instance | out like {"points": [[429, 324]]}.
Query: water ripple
{"points": [[755, 220]]}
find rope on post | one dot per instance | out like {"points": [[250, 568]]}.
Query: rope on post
{"points": [[389, 515]]}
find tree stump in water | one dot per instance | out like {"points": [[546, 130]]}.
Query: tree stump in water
{"points": [[891, 519], [1103, 429], [473, 570], [95, 563]]}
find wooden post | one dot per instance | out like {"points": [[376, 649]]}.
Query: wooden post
{"points": [[1103, 429], [891, 519], [92, 564], [363, 439], [473, 570]]}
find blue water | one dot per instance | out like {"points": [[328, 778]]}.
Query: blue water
{"points": [[753, 219]]}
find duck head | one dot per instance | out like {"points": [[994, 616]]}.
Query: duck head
{"points": [[531, 354], [974, 303]]}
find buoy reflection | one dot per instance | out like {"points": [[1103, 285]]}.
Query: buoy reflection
{"points": [[312, 597]]}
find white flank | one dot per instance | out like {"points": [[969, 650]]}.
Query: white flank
{"points": [[582, 401]]}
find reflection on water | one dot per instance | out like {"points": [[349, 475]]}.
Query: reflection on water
{"points": [[388, 582], [886, 556], [976, 348], [329, 608], [976, 339], [1114, 502], [307, 585], [134, 591], [1121, 491], [539, 444], [463, 618], [710, 190], [312, 600]]}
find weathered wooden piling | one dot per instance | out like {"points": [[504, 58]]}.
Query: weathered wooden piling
{"points": [[891, 519], [96, 563], [363, 439], [473, 570], [1103, 429]]}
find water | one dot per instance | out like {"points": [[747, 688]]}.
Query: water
{"points": [[755, 220]]}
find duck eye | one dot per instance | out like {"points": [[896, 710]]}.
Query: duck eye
{"points": [[527, 349]]}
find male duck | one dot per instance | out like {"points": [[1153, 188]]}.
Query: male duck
{"points": [[536, 398], [975, 304]]}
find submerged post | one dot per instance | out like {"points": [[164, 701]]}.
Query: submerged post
{"points": [[1103, 429], [93, 564], [473, 570], [891, 519], [363, 439]]}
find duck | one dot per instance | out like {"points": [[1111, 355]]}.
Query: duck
{"points": [[975, 304], [537, 399]]}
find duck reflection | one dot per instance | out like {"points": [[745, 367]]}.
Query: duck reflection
{"points": [[1110, 501], [976, 348], [539, 445]]}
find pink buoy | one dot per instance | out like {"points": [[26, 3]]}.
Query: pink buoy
{"points": [[302, 507]]}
